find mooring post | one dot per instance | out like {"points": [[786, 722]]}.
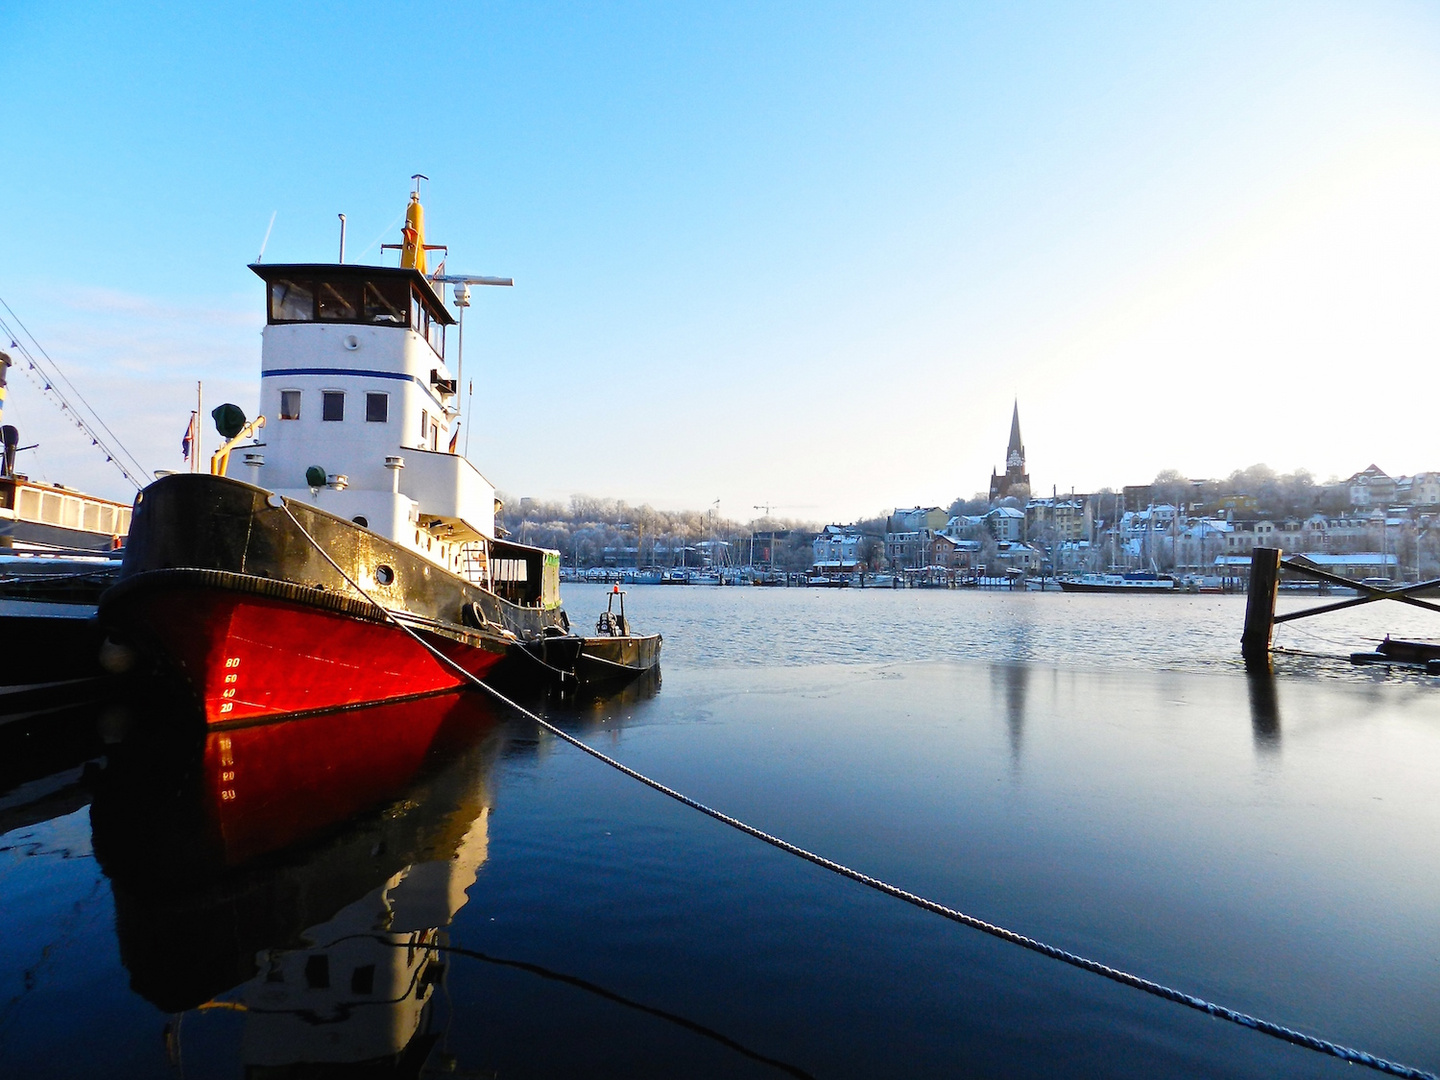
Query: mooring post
{"points": [[1260, 607]]}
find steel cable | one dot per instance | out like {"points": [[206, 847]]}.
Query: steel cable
{"points": [[1124, 978], [114, 455]]}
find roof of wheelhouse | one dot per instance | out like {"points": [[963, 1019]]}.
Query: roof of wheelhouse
{"points": [[269, 272]]}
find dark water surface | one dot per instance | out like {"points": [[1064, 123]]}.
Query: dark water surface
{"points": [[1096, 772]]}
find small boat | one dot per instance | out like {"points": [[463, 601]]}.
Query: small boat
{"points": [[605, 660], [1139, 581], [1405, 651], [362, 562]]}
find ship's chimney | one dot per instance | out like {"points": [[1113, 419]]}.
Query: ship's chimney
{"points": [[5, 363], [10, 436]]}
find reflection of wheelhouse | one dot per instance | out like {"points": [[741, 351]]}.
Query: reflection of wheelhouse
{"points": [[361, 993]]}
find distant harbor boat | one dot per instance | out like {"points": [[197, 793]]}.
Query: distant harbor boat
{"points": [[1138, 581]]}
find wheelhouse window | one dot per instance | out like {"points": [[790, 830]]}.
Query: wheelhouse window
{"points": [[292, 301], [338, 301], [377, 408], [345, 294], [289, 404], [424, 428], [387, 303], [332, 405], [432, 330]]}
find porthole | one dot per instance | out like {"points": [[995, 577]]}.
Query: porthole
{"points": [[361, 520], [384, 575]]}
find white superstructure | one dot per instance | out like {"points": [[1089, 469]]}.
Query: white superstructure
{"points": [[361, 409]]}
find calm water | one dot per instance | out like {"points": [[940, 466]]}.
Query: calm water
{"points": [[1094, 771]]}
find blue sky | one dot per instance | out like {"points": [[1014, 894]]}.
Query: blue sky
{"points": [[803, 255]]}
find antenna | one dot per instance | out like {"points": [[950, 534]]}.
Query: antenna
{"points": [[417, 177], [267, 235]]}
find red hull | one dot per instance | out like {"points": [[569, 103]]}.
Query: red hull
{"points": [[251, 658]]}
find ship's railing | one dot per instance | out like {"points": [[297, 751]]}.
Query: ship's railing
{"points": [[70, 510]]}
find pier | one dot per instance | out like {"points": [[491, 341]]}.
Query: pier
{"points": [[1266, 565]]}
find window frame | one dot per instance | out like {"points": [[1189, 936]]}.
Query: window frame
{"points": [[384, 398], [326, 397], [299, 403], [271, 317]]}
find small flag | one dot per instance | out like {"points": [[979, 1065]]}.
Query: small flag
{"points": [[189, 440], [455, 439]]}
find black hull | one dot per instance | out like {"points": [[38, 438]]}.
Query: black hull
{"points": [[1409, 652], [48, 643], [38, 534], [1128, 590], [588, 665]]}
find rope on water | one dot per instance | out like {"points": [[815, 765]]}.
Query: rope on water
{"points": [[1124, 978], [609, 995]]}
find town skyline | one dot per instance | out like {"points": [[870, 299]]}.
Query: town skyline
{"points": [[1184, 237], [1011, 485]]}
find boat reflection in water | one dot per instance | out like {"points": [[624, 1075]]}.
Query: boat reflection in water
{"points": [[298, 875]]}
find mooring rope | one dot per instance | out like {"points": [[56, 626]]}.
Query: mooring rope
{"points": [[600, 991], [1124, 978]]}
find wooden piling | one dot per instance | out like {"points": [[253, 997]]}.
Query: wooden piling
{"points": [[1260, 607]]}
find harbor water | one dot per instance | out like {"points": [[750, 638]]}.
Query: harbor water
{"points": [[440, 888]]}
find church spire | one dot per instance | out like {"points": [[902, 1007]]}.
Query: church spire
{"points": [[1016, 446], [1014, 474]]}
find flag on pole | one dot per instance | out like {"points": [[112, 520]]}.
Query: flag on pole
{"points": [[189, 440]]}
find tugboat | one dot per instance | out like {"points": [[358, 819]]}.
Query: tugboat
{"points": [[279, 594]]}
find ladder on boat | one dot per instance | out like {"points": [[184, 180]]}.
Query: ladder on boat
{"points": [[476, 566]]}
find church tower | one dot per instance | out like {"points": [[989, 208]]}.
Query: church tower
{"points": [[1014, 474]]}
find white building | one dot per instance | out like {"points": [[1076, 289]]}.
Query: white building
{"points": [[837, 549]]}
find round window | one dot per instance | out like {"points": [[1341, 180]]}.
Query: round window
{"points": [[384, 575]]}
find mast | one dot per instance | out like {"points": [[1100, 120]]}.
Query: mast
{"points": [[199, 425]]}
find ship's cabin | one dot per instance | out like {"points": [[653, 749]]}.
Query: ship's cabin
{"points": [[355, 294], [362, 414]]}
